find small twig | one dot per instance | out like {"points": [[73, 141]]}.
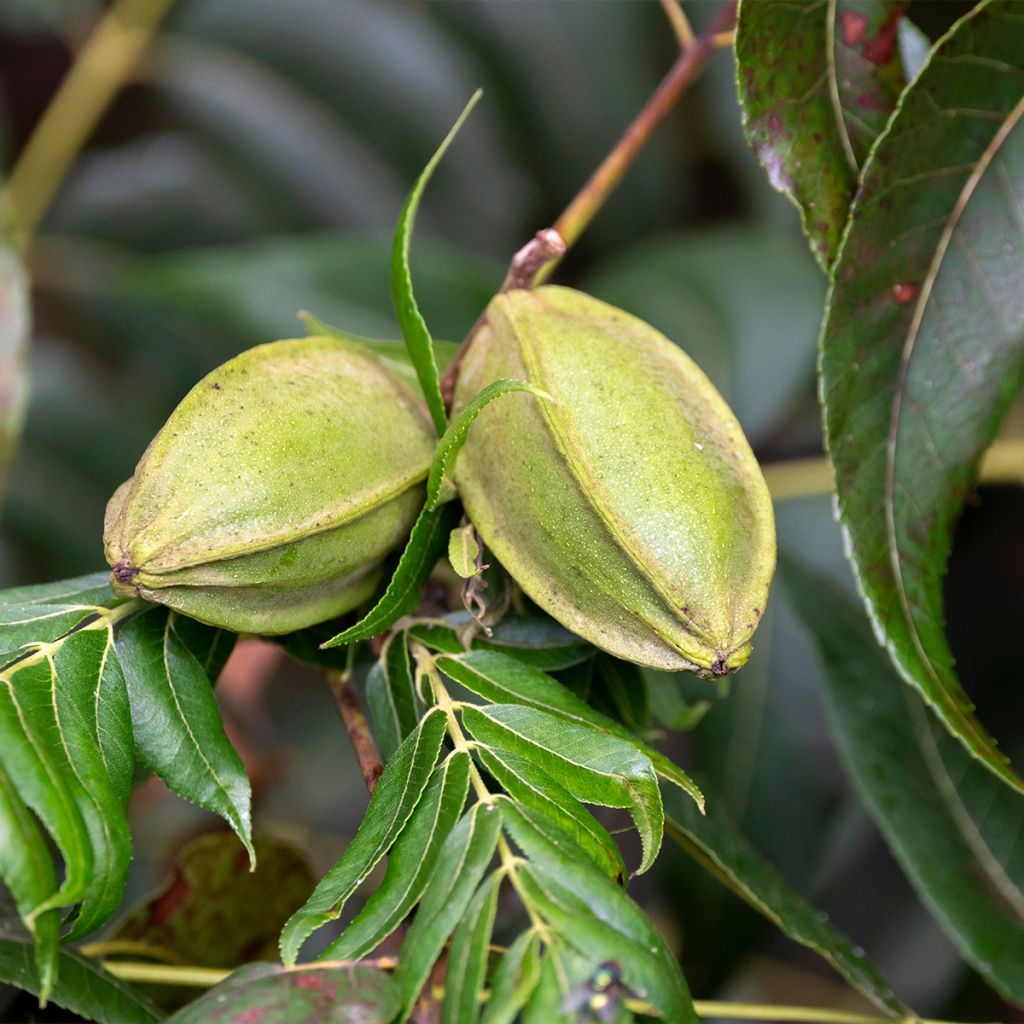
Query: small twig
{"points": [[723, 40], [357, 727], [545, 246], [581, 211], [100, 70], [679, 22]]}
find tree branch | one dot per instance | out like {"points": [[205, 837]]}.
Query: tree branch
{"points": [[356, 726]]}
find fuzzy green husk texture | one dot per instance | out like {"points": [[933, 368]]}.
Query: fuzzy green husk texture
{"points": [[630, 507], [273, 493]]}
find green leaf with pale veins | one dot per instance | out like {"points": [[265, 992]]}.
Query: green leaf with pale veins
{"points": [[817, 82], [514, 980], [553, 809], [598, 919], [398, 791], [414, 327], [177, 725], [391, 695], [410, 862], [464, 860], [922, 350], [468, 956], [464, 551], [324, 994], [593, 766], [717, 845], [501, 678], [26, 868], [957, 831]]}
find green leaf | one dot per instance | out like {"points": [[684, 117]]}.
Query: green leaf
{"points": [[464, 859], [514, 980], [324, 994], [81, 985], [21, 625], [90, 591], [717, 845], [178, 729], [817, 82], [923, 274], [553, 810], [468, 956], [593, 766], [540, 643], [26, 868], [954, 828], [464, 551], [14, 335], [414, 327], [410, 862], [499, 678], [439, 485], [391, 696], [426, 544], [211, 646], [394, 799], [595, 917], [391, 351], [93, 699], [212, 911]]}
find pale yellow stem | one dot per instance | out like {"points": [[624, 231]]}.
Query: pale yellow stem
{"points": [[100, 70]]}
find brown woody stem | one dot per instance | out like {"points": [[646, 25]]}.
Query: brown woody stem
{"points": [[581, 211], [357, 727]]}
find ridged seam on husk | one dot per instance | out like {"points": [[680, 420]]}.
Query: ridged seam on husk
{"points": [[590, 490], [311, 527]]}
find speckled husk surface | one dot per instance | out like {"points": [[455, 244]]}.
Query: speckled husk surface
{"points": [[270, 497], [630, 507]]}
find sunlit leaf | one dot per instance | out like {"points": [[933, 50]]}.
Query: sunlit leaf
{"points": [[394, 799], [411, 861], [177, 726]]}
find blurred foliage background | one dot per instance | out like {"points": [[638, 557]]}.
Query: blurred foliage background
{"points": [[254, 166]]}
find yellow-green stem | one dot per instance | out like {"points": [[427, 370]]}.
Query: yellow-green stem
{"points": [[102, 67]]}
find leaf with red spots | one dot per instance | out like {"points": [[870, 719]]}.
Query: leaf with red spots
{"points": [[325, 994], [817, 82], [923, 343]]}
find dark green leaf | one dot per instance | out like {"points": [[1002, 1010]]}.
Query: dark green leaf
{"points": [[391, 696], [395, 798], [349, 994], [414, 328], [595, 917], [593, 766], [464, 859], [14, 334], [178, 729], [553, 810], [211, 646], [26, 868], [540, 643], [514, 980], [499, 678], [410, 862], [954, 828], [922, 348], [716, 844], [817, 83], [468, 956]]}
